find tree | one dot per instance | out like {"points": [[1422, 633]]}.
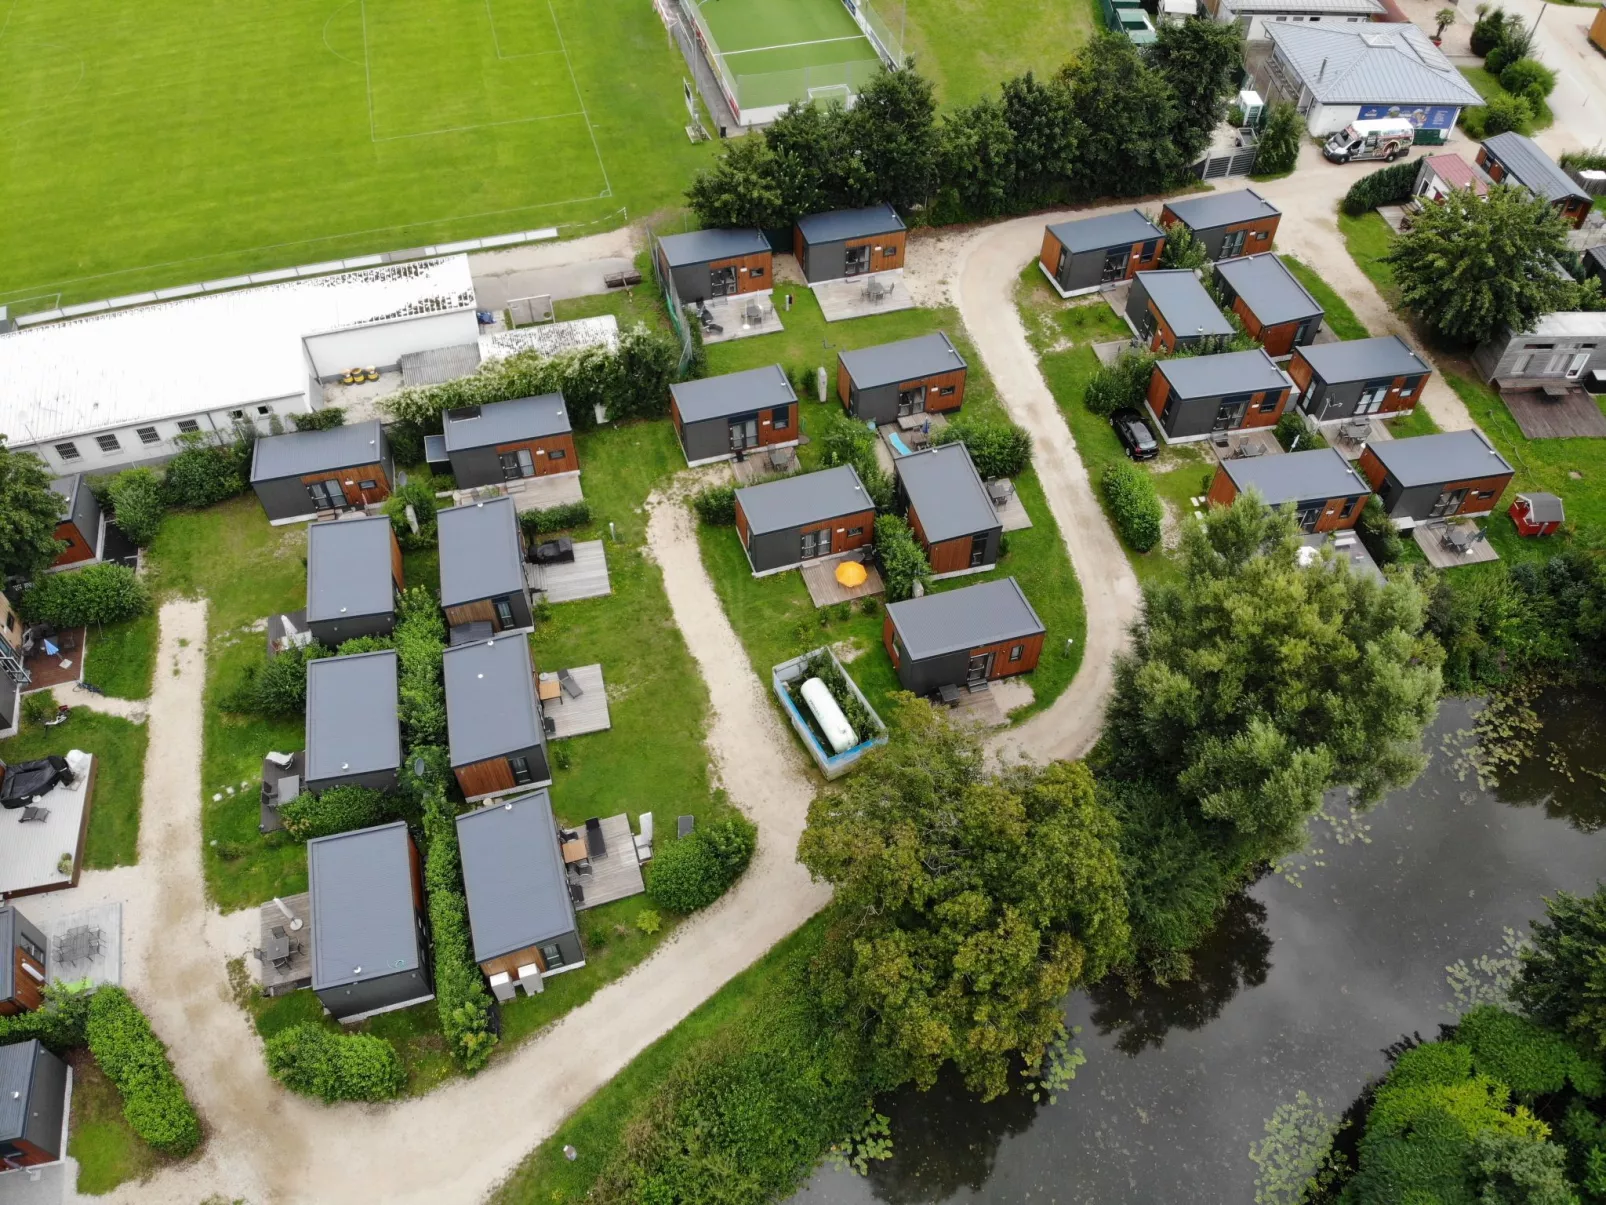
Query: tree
{"points": [[1045, 132], [1562, 983], [1280, 138], [965, 906], [892, 129], [1511, 1169], [29, 512], [1469, 266], [977, 158], [138, 498], [1443, 19], [1182, 250], [1199, 58], [1128, 120], [809, 145], [100, 594], [740, 188]]}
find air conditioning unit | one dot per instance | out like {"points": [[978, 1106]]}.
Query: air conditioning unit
{"points": [[1252, 107]]}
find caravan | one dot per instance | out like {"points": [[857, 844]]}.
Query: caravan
{"points": [[1385, 138]]}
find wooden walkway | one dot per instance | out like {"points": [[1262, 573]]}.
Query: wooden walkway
{"points": [[843, 299], [824, 589], [616, 875], [584, 577], [1576, 414], [531, 493], [588, 713], [298, 973]]}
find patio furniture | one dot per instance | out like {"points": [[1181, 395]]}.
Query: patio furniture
{"points": [[683, 826], [1460, 538], [574, 850], [278, 946], [547, 688], [502, 986], [554, 552], [1356, 430], [1220, 440], [549, 726], [782, 459], [949, 693], [30, 814], [570, 687], [595, 844], [754, 315], [577, 894], [1000, 490], [1249, 450]]}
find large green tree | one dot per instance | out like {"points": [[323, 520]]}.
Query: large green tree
{"points": [[741, 187], [977, 158], [29, 512], [966, 905], [1280, 138], [1044, 131], [1199, 58], [892, 130], [1128, 115], [1562, 982]]}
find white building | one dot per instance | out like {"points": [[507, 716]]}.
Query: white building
{"points": [[1253, 16], [102, 393]]}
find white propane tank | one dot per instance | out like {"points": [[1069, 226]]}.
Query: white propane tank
{"points": [[832, 722]]}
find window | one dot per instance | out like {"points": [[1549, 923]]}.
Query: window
{"points": [[855, 532], [780, 419], [755, 273], [504, 611], [1016, 652], [188, 426], [946, 391], [552, 955], [30, 949], [558, 454], [521, 770], [147, 435], [1268, 403], [237, 415], [1148, 249], [108, 443], [67, 451], [1411, 385], [368, 485], [264, 409]]}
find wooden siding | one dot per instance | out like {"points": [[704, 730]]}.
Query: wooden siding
{"points": [[1574, 209], [741, 524], [1049, 256], [935, 403], [26, 995], [1222, 489], [950, 556], [485, 777], [474, 612], [1002, 666], [1372, 469], [1266, 226], [840, 540], [844, 384], [746, 282], [1398, 399], [1256, 417], [674, 414], [79, 547], [396, 561], [415, 867], [889, 640], [892, 249], [768, 433], [1163, 337], [511, 962], [1472, 504], [1159, 390], [1299, 371], [1137, 263], [797, 243], [1338, 514], [541, 450], [349, 478]]}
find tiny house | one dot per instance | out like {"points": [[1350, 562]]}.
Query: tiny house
{"points": [[1081, 256], [1229, 224], [784, 523], [1325, 492], [33, 1106], [1171, 310], [495, 731], [24, 963], [482, 566], [1275, 309], [716, 263], [1358, 376], [1440, 175], [1198, 396], [949, 510], [1516, 158], [849, 242], [721, 417], [354, 571], [879, 384], [353, 734], [82, 524], [509, 441], [965, 637], [304, 474], [1428, 478], [1537, 514], [1564, 346]]}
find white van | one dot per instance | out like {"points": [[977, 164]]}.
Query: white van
{"points": [[1385, 138]]}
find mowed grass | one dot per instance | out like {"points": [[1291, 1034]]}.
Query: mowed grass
{"points": [[969, 47], [197, 140], [122, 657], [776, 50], [108, 1151], [1340, 319]]}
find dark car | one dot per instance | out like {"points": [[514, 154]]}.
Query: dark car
{"points": [[1135, 435]]}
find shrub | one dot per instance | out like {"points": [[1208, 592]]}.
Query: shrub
{"points": [[1489, 31], [1530, 1060], [365, 644], [903, 561], [420, 638], [421, 498], [1294, 425], [848, 441], [998, 449], [1562, 983], [648, 921], [1525, 73], [204, 474], [1280, 138], [1378, 533], [59, 1023], [319, 420], [715, 505], [309, 1059], [338, 810], [276, 686], [134, 1059], [137, 497], [39, 707], [1502, 113], [555, 518], [1389, 186], [461, 1000], [1129, 491], [1182, 248], [696, 870], [100, 594], [1119, 386]]}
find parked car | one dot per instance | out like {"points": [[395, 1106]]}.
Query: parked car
{"points": [[1135, 435]]}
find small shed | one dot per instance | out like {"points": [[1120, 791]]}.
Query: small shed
{"points": [[1170, 309], [494, 727], [354, 570], [719, 417], [1516, 158], [1429, 478], [1439, 175], [949, 510], [33, 1105], [370, 949], [509, 441], [1081, 256], [482, 566], [716, 263], [24, 962], [1275, 309], [1198, 396], [1537, 514], [1567, 345], [519, 909], [821, 514], [302, 474], [1325, 492], [849, 242], [353, 735], [1358, 376], [964, 637], [1229, 224], [81, 525], [924, 374]]}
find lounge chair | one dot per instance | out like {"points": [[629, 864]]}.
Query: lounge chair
{"points": [[596, 846], [570, 687], [32, 813], [683, 826]]}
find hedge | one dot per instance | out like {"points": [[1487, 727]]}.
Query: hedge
{"points": [[1131, 497], [58, 1023], [204, 474], [134, 1059], [309, 1059], [319, 420], [420, 637], [715, 505], [903, 561], [421, 498], [460, 996], [1378, 533], [555, 518], [338, 810], [1390, 186], [696, 870], [998, 449], [104, 593], [138, 499]]}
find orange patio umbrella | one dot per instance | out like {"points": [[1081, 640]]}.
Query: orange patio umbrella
{"points": [[851, 573]]}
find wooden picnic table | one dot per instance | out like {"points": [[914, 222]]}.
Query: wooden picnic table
{"points": [[574, 851], [548, 688]]}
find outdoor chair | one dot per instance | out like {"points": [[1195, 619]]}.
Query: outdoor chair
{"points": [[577, 894], [570, 687], [596, 846], [549, 726], [29, 814], [782, 459], [683, 826], [755, 316]]}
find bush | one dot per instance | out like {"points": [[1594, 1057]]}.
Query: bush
{"points": [[1525, 73], [715, 505], [1119, 386], [134, 1059], [998, 449], [204, 474], [1378, 533], [903, 561], [58, 1023], [1502, 113], [1388, 186], [1136, 507], [365, 644], [421, 498], [1489, 31], [848, 441], [137, 497], [1531, 1061], [309, 1059], [696, 870], [1562, 983], [338, 810], [1294, 425], [319, 420], [100, 594], [555, 518], [38, 707], [276, 686], [461, 1000], [420, 638], [1280, 138], [1182, 248]]}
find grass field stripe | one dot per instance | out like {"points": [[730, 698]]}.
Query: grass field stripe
{"points": [[730, 54], [607, 185], [367, 70], [484, 125], [6, 24]]}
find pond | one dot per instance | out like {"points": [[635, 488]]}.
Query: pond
{"points": [[1310, 975]]}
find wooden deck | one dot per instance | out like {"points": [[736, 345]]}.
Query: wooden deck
{"points": [[616, 875], [976, 707], [843, 299], [759, 467], [584, 577], [1261, 438], [588, 713], [299, 971], [824, 589], [531, 493], [1429, 538], [66, 667], [1576, 414]]}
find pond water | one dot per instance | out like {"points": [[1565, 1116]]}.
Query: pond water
{"points": [[1311, 974]]}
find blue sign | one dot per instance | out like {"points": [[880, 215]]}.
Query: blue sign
{"points": [[1423, 117]]}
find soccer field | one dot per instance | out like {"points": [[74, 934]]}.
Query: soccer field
{"points": [[155, 144], [776, 50]]}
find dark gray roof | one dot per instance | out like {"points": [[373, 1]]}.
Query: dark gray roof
{"points": [[1297, 476], [839, 224], [349, 568], [1108, 230], [298, 452], [1435, 459], [17, 1062], [1542, 508], [435, 449], [8, 956], [505, 422], [1362, 359], [1535, 170], [805, 498], [363, 923], [1184, 303], [702, 246], [490, 699], [1222, 209], [67, 487], [967, 618], [732, 393], [479, 550], [946, 492], [1230, 372], [518, 895], [1268, 288], [351, 715], [891, 363]]}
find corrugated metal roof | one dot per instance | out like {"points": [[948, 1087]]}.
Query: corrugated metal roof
{"points": [[505, 422], [363, 924], [351, 715], [732, 393], [1230, 372], [1535, 170], [491, 709], [946, 492], [1370, 64], [349, 568], [518, 895], [1338, 8], [839, 224], [1222, 209], [1268, 288], [702, 246], [299, 452], [891, 363], [1107, 230], [805, 498], [16, 1084], [479, 551], [1435, 459], [970, 617], [552, 338], [1457, 172], [1319, 473], [1184, 303], [1362, 359]]}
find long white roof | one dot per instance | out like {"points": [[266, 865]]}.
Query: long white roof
{"points": [[202, 353]]}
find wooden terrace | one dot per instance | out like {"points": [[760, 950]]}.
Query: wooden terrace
{"points": [[293, 968], [615, 873], [1552, 409], [584, 577], [861, 296], [740, 316], [571, 714], [66, 665], [820, 579], [1447, 545]]}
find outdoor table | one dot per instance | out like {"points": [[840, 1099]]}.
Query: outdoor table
{"points": [[548, 689], [574, 851], [278, 945], [949, 694], [1460, 538]]}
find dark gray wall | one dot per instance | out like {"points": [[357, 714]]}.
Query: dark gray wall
{"points": [[370, 994], [1412, 503], [379, 780], [1084, 269], [1190, 416], [825, 261], [540, 766], [879, 404], [1344, 396], [334, 632], [1137, 307], [476, 466], [10, 703], [283, 498], [45, 1104], [923, 677], [569, 943], [692, 282], [711, 437], [778, 549]]}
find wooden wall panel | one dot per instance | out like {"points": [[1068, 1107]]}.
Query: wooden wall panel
{"points": [[541, 450], [349, 478], [396, 561], [746, 281], [741, 523], [844, 384], [474, 612], [1256, 417], [1049, 256], [1266, 226], [1159, 390], [1398, 400], [79, 547], [511, 962], [1372, 469], [1472, 504], [840, 540], [485, 777], [769, 433], [892, 249], [1002, 666], [1277, 340], [950, 556], [1300, 371], [1252, 326], [935, 402], [1336, 514], [1222, 489]]}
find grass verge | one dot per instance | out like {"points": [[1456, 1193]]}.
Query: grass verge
{"points": [[122, 657], [1341, 320], [108, 1151], [119, 747], [1368, 239]]}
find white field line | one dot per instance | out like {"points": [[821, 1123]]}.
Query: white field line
{"points": [[730, 54], [607, 185]]}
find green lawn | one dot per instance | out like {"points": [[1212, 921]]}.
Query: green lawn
{"points": [[1488, 86], [968, 47], [108, 1151], [1341, 320], [122, 657], [1368, 239], [777, 50]]}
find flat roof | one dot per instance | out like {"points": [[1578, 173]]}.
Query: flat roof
{"points": [[1526, 160], [1434, 459], [505, 422], [518, 894], [491, 709], [1363, 359], [804, 498], [349, 569], [67, 488], [704, 246], [1107, 230], [295, 453], [1184, 303], [552, 338], [1567, 322], [967, 618], [1222, 209], [204, 353], [1369, 63], [1367, 8], [837, 224], [363, 922], [1297, 476], [17, 1062], [351, 715], [945, 490], [1249, 371], [732, 393], [480, 555], [1268, 288], [905, 360]]}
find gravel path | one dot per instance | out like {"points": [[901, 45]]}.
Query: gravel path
{"points": [[128, 709]]}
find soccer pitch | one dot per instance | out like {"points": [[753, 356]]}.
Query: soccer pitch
{"points": [[179, 140], [776, 50]]}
